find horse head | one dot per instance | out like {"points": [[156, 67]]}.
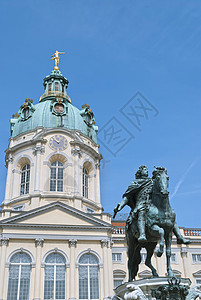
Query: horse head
{"points": [[161, 180]]}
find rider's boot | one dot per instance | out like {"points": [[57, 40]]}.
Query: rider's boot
{"points": [[180, 238], [141, 226]]}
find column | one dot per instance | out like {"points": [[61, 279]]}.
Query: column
{"points": [[104, 244], [39, 245], [184, 260], [72, 245], [110, 270], [4, 244], [9, 162], [37, 151], [97, 186], [76, 152]]}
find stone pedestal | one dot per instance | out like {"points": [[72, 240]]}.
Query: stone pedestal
{"points": [[147, 285]]}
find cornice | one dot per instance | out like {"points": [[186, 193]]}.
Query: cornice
{"points": [[63, 237], [86, 148], [25, 144], [56, 227], [60, 205]]}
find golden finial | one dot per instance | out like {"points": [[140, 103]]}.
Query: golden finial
{"points": [[85, 105], [55, 57]]}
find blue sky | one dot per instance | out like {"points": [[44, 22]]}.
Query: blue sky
{"points": [[116, 49]]}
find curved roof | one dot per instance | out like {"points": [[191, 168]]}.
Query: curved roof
{"points": [[44, 114]]}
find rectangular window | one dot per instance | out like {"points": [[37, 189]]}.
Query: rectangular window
{"points": [[56, 86], [198, 281], [62, 88], [196, 258], [117, 282], [49, 87], [116, 256]]}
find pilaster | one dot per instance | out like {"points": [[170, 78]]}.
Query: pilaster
{"points": [[37, 151], [184, 253], [77, 153], [9, 162], [4, 244], [72, 245], [37, 287]]}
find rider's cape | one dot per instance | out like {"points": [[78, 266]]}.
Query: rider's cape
{"points": [[134, 188]]}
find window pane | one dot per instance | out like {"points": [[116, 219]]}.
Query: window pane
{"points": [[117, 283], [13, 282], [60, 173], [60, 282], [83, 282], [53, 185], [49, 282], [60, 186], [56, 86], [53, 173], [94, 282], [24, 282]]}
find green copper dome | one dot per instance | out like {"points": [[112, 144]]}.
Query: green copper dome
{"points": [[54, 110]]}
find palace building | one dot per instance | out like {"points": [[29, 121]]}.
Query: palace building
{"points": [[56, 241]]}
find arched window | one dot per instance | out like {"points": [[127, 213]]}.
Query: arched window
{"points": [[56, 176], [19, 277], [25, 178], [55, 274], [85, 182], [88, 277]]}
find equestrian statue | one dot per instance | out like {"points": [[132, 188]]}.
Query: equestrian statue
{"points": [[151, 219]]}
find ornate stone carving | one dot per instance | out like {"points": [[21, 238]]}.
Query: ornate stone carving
{"points": [[134, 292], [39, 242], [38, 149], [194, 292], [72, 243], [104, 243], [174, 290], [4, 241], [184, 252], [76, 151], [9, 159], [97, 164]]}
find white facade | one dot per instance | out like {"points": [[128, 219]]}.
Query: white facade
{"points": [[56, 242]]}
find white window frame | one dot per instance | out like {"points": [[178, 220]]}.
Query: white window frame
{"points": [[85, 183], [115, 257], [195, 261], [88, 276], [26, 183], [20, 264], [55, 269], [56, 180], [18, 207]]}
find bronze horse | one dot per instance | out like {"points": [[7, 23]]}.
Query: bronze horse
{"points": [[160, 219]]}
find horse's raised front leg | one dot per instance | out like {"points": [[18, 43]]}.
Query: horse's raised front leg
{"points": [[156, 229], [168, 241], [150, 250]]}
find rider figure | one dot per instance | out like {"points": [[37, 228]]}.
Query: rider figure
{"points": [[137, 196]]}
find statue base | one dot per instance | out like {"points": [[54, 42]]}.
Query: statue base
{"points": [[149, 286]]}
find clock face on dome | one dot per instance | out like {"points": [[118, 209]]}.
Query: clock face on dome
{"points": [[59, 108], [58, 142]]}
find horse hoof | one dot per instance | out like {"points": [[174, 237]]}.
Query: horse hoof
{"points": [[159, 253]]}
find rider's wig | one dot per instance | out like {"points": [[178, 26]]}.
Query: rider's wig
{"points": [[138, 174]]}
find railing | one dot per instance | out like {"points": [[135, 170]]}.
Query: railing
{"points": [[119, 230], [187, 231], [192, 232], [55, 93]]}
